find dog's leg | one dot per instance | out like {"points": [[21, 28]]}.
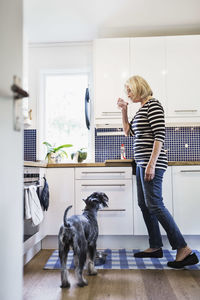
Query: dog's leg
{"points": [[91, 258], [63, 253], [80, 256], [79, 261]]}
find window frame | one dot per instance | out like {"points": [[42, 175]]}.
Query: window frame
{"points": [[41, 109]]}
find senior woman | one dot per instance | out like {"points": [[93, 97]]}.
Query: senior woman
{"points": [[148, 129]]}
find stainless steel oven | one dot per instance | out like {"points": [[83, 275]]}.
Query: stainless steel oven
{"points": [[31, 177]]}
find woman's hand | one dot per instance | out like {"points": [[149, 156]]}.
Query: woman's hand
{"points": [[149, 172], [122, 104]]}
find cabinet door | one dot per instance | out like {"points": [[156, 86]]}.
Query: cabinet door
{"points": [[148, 61], [61, 189], [186, 191], [183, 73], [111, 69], [117, 219], [139, 226]]}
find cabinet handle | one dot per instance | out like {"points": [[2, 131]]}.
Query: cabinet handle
{"points": [[111, 113], [103, 184], [104, 172], [114, 209], [190, 171], [185, 110]]}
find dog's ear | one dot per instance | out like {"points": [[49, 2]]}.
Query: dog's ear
{"points": [[85, 200], [104, 199]]}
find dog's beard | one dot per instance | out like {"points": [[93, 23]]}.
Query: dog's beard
{"points": [[101, 206]]}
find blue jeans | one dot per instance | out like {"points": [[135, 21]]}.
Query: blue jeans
{"points": [[150, 201]]}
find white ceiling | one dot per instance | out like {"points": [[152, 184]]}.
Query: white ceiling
{"points": [[85, 20]]}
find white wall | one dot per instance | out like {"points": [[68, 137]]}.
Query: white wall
{"points": [[11, 154], [59, 56]]}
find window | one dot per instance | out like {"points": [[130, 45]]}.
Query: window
{"points": [[65, 110]]}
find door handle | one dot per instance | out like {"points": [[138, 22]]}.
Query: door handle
{"points": [[87, 100]]}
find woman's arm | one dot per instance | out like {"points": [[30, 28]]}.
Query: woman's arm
{"points": [[123, 106], [150, 168], [157, 123]]}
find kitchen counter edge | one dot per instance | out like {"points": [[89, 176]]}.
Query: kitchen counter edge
{"points": [[102, 164]]}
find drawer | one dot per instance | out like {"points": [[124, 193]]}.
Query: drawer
{"points": [[117, 218], [111, 173]]}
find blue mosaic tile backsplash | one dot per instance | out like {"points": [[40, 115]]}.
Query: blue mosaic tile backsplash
{"points": [[181, 143], [30, 144]]}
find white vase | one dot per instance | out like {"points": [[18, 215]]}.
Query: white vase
{"points": [[52, 158]]}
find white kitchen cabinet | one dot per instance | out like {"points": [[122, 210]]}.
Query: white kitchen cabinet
{"points": [[186, 191], [139, 226], [182, 80], [147, 58], [117, 219], [170, 64], [111, 69], [61, 189]]}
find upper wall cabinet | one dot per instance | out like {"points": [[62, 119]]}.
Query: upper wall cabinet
{"points": [[171, 65], [111, 69], [147, 57], [183, 75]]}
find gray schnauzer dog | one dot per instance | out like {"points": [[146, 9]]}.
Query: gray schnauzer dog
{"points": [[80, 232]]}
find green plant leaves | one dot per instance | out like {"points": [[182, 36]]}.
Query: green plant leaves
{"points": [[59, 149]]}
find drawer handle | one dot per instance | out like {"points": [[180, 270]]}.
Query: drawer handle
{"points": [[102, 172], [185, 110], [190, 171], [103, 184], [115, 209]]}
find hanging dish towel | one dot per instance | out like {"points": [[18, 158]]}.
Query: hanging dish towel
{"points": [[27, 211], [35, 207], [44, 198]]}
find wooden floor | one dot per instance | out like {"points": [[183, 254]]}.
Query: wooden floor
{"points": [[42, 284]]}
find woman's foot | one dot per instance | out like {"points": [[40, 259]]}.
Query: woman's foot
{"points": [[150, 252], [184, 257], [182, 253], [189, 260]]}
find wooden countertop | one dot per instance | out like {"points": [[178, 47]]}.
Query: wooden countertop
{"points": [[107, 163], [183, 163], [41, 164]]}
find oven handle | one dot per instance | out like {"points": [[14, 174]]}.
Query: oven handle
{"points": [[27, 187]]}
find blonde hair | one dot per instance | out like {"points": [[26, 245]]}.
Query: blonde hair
{"points": [[139, 87]]}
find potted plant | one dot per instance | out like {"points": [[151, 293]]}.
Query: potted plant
{"points": [[79, 155], [55, 154]]}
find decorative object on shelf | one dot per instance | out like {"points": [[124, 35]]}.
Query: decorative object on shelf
{"points": [[55, 154], [80, 155]]}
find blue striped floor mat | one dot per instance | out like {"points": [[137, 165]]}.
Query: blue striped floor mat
{"points": [[123, 259]]}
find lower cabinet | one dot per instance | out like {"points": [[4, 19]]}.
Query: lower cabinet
{"points": [[69, 186], [139, 226], [117, 219], [186, 196], [61, 189]]}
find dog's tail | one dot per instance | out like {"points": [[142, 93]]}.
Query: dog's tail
{"points": [[65, 216]]}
